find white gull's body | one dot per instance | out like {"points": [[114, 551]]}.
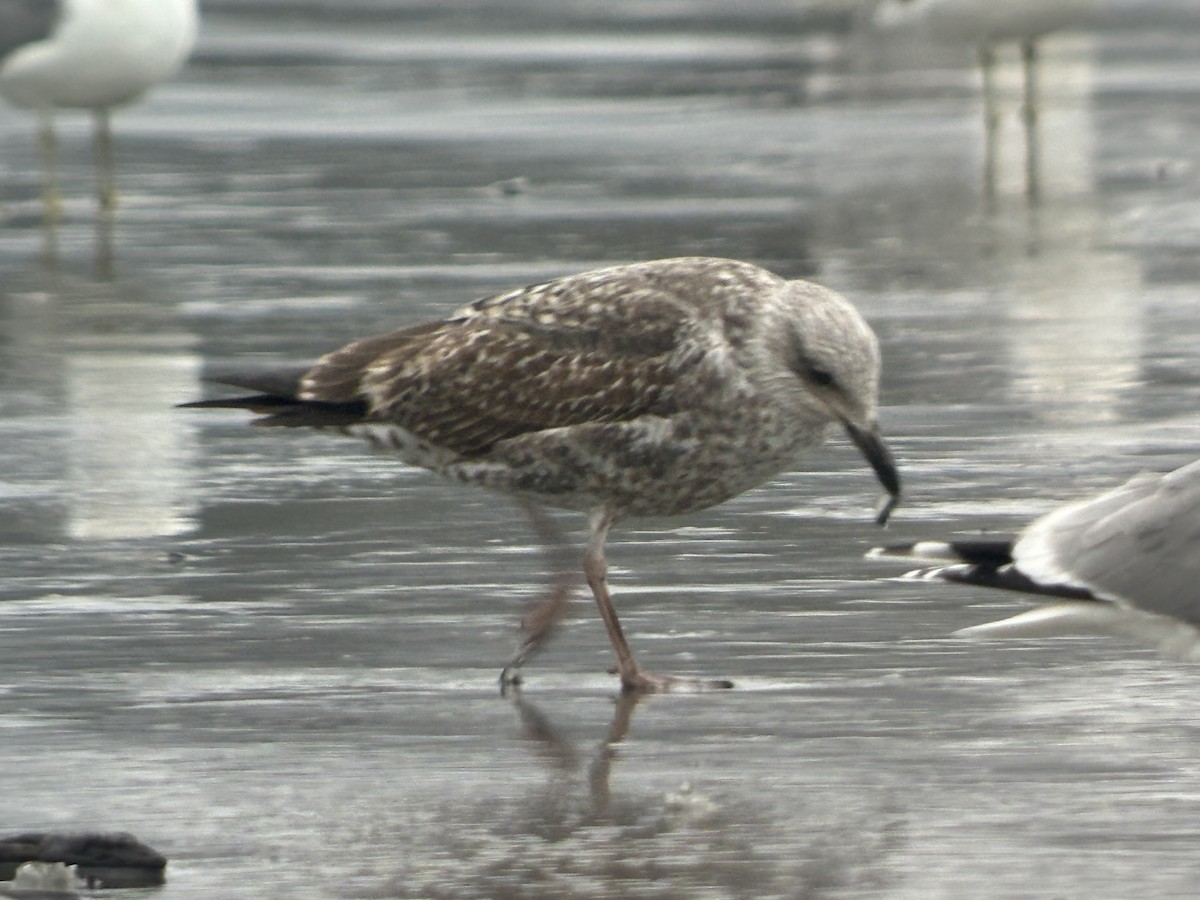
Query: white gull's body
{"points": [[99, 53], [1125, 563], [92, 55]]}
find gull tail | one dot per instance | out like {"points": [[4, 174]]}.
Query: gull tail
{"points": [[1075, 611], [985, 563], [277, 400], [977, 552]]}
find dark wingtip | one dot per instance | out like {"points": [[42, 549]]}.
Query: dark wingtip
{"points": [[277, 400], [993, 552], [254, 404], [281, 382], [275, 389], [287, 413]]}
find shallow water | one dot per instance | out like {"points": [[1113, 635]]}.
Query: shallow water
{"points": [[274, 658]]}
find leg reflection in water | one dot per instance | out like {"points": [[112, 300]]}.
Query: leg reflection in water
{"points": [[561, 755]]}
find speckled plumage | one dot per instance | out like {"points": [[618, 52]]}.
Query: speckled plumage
{"points": [[650, 389]]}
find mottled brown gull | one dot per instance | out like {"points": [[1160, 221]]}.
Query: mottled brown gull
{"points": [[650, 389], [1124, 563]]}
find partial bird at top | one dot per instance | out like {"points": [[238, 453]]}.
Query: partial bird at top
{"points": [[652, 389], [88, 54], [986, 24], [1125, 563]]}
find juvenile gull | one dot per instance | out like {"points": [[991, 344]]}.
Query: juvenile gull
{"points": [[1125, 563], [650, 389]]}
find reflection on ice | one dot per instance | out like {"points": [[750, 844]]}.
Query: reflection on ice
{"points": [[578, 837], [129, 453], [1037, 119], [1083, 353], [1064, 132]]}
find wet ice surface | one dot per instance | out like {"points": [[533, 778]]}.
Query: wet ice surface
{"points": [[274, 657]]}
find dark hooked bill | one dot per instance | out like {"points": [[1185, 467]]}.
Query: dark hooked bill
{"points": [[870, 444]]}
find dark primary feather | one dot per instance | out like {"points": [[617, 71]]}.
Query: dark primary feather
{"points": [[277, 399], [979, 562], [985, 552], [1007, 578], [994, 552]]}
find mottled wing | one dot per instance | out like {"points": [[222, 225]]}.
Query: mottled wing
{"points": [[1139, 544], [565, 353]]}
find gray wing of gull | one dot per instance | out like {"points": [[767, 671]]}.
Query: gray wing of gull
{"points": [[25, 21], [1138, 545]]}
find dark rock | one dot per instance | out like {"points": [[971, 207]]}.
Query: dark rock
{"points": [[111, 860]]}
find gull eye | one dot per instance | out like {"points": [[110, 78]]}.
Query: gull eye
{"points": [[821, 377]]}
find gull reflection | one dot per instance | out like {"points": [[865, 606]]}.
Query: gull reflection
{"points": [[129, 455], [1013, 158], [573, 835], [562, 757], [1047, 88], [1078, 338]]}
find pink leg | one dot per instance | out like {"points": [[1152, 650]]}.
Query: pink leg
{"points": [[543, 615], [632, 677], [596, 569]]}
